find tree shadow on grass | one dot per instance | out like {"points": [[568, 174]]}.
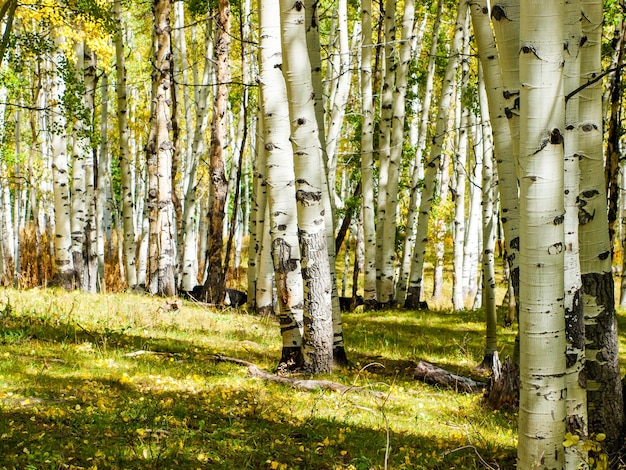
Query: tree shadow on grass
{"points": [[114, 425]]}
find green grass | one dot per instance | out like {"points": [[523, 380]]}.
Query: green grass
{"points": [[72, 394]]}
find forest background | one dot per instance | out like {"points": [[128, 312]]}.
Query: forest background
{"points": [[363, 158]]}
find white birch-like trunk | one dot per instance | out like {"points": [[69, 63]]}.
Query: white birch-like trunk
{"points": [[367, 159], [103, 210], [460, 171], [90, 279], [60, 179], [542, 408], [280, 185], [471, 250], [128, 213], [576, 423], [341, 91], [387, 173], [190, 223], [317, 344], [418, 171], [503, 142], [430, 177], [398, 113], [162, 241], [489, 222], [6, 218], [604, 390], [80, 147]]}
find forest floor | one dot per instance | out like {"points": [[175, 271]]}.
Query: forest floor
{"points": [[128, 381]]}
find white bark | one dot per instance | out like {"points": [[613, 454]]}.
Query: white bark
{"points": [[418, 171], [128, 214], [367, 158], [604, 391], [80, 148], [387, 172], [430, 177], [542, 318], [317, 345], [60, 179], [280, 184], [489, 222], [574, 323]]}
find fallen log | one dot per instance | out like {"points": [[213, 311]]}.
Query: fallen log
{"points": [[306, 384], [431, 374]]}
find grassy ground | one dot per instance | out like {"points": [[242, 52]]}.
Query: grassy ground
{"points": [[126, 382]]}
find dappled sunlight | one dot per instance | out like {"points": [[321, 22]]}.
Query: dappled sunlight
{"points": [[121, 382]]}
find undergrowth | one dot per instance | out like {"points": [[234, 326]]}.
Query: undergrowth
{"points": [[125, 381]]}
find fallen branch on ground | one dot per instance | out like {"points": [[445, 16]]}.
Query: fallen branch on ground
{"points": [[305, 384], [432, 374]]}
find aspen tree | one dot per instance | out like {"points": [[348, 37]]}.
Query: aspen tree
{"points": [[604, 390], [280, 184], [65, 275], [317, 344], [214, 285], [418, 172], [415, 282], [576, 423], [367, 159], [159, 149], [128, 214], [542, 408]]}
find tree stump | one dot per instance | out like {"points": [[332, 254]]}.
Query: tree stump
{"points": [[503, 388]]}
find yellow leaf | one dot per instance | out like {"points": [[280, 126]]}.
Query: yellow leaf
{"points": [[600, 437]]}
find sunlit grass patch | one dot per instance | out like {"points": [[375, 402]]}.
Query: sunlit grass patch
{"points": [[126, 381]]}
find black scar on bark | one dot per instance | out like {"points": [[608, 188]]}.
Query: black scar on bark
{"points": [[498, 13]]}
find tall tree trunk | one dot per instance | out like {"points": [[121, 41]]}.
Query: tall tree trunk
{"points": [[418, 172], [415, 283], [502, 132], [317, 343], [128, 213], [65, 274], [604, 390], [505, 15], [80, 148], [613, 150], [542, 321], [576, 423], [489, 183], [103, 188], [280, 184], [367, 159], [190, 223], [214, 285], [387, 172], [160, 150]]}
